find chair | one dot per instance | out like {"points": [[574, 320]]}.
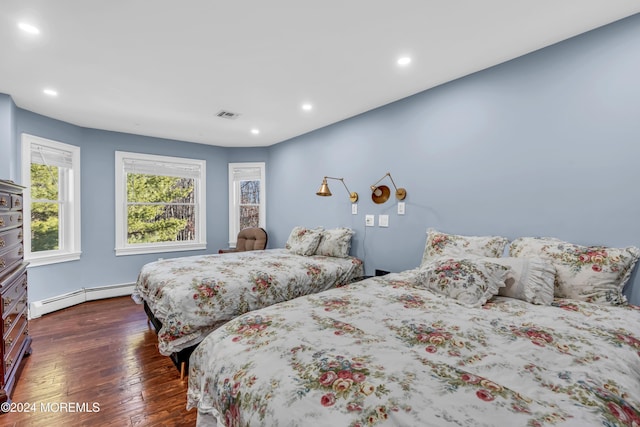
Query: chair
{"points": [[249, 239]]}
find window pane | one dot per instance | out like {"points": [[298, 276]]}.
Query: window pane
{"points": [[44, 226], [160, 223], [44, 182], [250, 192], [160, 209], [143, 188], [249, 216]]}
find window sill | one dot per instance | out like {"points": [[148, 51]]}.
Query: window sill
{"points": [[52, 259], [143, 249]]}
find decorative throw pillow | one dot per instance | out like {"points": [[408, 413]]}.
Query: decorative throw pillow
{"points": [[587, 273], [451, 245], [471, 281], [303, 241], [335, 242], [528, 279]]}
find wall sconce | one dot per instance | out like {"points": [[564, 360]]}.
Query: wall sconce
{"points": [[324, 189], [380, 193]]}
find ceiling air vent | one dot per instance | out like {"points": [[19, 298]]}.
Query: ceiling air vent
{"points": [[227, 115]]}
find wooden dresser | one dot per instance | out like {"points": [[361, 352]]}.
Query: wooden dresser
{"points": [[16, 342]]}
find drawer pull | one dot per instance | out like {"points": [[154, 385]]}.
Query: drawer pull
{"points": [[9, 363], [1, 222], [7, 323], [20, 251], [2, 263], [17, 202], [8, 342], [20, 235], [7, 302], [2, 243], [3, 202]]}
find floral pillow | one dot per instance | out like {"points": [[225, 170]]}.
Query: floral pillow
{"points": [[451, 245], [335, 242], [303, 241], [470, 281], [587, 273], [528, 279]]}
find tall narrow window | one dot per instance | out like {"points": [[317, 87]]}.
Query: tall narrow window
{"points": [[160, 204], [247, 198], [51, 173]]}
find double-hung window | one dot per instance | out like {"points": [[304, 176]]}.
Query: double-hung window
{"points": [[51, 173], [160, 203], [247, 198]]}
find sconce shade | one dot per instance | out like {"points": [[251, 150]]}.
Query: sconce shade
{"points": [[380, 193], [324, 189]]}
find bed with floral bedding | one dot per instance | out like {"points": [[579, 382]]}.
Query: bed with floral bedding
{"points": [[469, 338], [191, 296]]}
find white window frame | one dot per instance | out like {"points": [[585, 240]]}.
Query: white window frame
{"points": [[69, 213], [234, 198], [122, 245]]}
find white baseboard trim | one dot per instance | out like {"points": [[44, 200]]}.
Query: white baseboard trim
{"points": [[49, 305]]}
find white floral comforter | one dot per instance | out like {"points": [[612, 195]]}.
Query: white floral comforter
{"points": [[191, 296], [384, 352]]}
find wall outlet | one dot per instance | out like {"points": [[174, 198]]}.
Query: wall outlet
{"points": [[369, 220], [400, 208], [354, 209], [383, 220]]}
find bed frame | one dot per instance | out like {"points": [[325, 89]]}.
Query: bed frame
{"points": [[181, 358]]}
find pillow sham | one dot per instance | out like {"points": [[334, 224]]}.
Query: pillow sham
{"points": [[335, 242], [304, 241], [452, 245], [594, 274], [528, 279], [470, 281]]}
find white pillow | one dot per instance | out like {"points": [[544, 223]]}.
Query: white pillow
{"points": [[335, 242], [528, 279], [304, 241]]}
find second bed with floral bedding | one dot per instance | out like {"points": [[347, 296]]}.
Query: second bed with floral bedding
{"points": [[191, 296]]}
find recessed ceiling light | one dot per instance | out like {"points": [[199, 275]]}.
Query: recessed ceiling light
{"points": [[255, 131], [28, 28], [50, 92], [307, 107], [405, 60]]}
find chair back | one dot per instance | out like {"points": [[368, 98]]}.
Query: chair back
{"points": [[251, 239]]}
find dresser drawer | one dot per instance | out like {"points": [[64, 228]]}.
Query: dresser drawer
{"points": [[13, 350], [10, 257], [18, 316], [10, 238], [12, 296], [10, 219], [5, 201]]}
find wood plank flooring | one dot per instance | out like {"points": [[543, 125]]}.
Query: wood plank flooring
{"points": [[104, 353]]}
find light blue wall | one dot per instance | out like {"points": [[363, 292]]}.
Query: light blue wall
{"points": [[547, 144], [544, 145], [7, 138], [98, 265]]}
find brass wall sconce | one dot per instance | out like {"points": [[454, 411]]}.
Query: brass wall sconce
{"points": [[324, 189], [380, 193]]}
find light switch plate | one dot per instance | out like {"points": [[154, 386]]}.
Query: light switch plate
{"points": [[400, 208], [369, 220], [354, 209], [383, 220]]}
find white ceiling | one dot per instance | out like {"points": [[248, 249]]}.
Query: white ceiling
{"points": [[165, 68]]}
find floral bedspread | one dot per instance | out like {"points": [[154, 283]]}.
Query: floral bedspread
{"points": [[384, 352], [191, 296]]}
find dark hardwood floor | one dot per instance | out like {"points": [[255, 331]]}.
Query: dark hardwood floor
{"points": [[100, 358]]}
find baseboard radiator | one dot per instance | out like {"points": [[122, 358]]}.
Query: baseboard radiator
{"points": [[38, 308]]}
